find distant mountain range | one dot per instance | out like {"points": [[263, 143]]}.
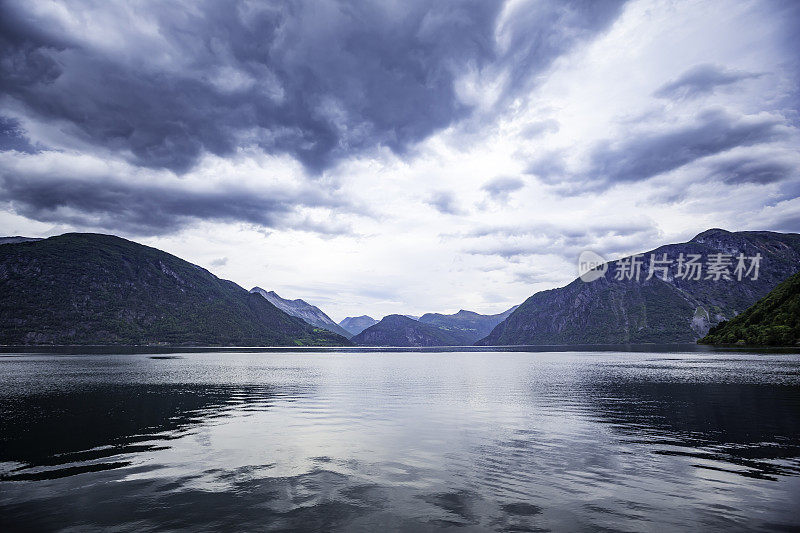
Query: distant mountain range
{"points": [[670, 310], [467, 326], [82, 288], [303, 310], [431, 329], [773, 321], [399, 330], [357, 324]]}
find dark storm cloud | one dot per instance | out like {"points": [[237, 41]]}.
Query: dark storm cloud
{"points": [[500, 188], [149, 209], [319, 80], [646, 155], [538, 32], [315, 79], [12, 137], [701, 80], [445, 202], [752, 170]]}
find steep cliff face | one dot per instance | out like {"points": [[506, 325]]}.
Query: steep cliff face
{"points": [[664, 309], [82, 288], [303, 310]]}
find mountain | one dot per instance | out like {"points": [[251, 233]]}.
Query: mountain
{"points": [[357, 324], [82, 288], [773, 321], [303, 310], [17, 239], [431, 329], [399, 330], [674, 309], [467, 326]]}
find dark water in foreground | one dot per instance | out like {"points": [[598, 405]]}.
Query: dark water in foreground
{"points": [[400, 441]]}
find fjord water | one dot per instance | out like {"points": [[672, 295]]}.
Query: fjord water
{"points": [[400, 441]]}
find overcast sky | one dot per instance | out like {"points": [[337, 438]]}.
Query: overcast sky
{"points": [[399, 156]]}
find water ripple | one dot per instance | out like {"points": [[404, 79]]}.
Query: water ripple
{"points": [[402, 441]]}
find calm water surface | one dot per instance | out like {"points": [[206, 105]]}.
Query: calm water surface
{"points": [[400, 441]]}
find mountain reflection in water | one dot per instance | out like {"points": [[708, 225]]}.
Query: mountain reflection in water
{"points": [[403, 441]]}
